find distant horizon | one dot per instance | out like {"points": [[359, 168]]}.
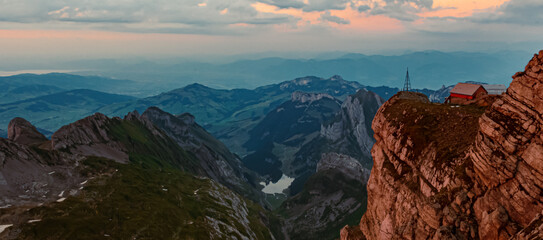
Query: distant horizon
{"points": [[77, 29], [37, 64]]}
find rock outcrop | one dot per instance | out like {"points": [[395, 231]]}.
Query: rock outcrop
{"points": [[446, 172], [353, 122], [347, 133], [23, 132], [303, 97], [215, 159], [90, 137], [276, 139], [349, 166], [508, 156], [330, 199]]}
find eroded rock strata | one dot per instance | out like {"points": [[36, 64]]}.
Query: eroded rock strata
{"points": [[458, 172]]}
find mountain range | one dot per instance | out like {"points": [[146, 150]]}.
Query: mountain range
{"points": [[429, 69], [52, 111], [157, 145], [220, 111], [130, 172], [197, 162]]}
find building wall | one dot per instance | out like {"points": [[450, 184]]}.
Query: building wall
{"points": [[465, 99]]}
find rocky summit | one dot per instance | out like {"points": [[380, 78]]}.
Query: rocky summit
{"points": [[23, 132], [126, 179], [458, 172]]}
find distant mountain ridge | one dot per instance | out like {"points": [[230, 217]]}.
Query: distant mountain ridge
{"points": [[430, 69], [52, 111], [34, 85]]}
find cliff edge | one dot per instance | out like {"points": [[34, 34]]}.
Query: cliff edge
{"points": [[458, 172]]}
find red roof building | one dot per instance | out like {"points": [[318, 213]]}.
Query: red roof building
{"points": [[463, 92]]}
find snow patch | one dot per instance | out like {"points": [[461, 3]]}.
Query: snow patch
{"points": [[4, 227], [61, 199]]}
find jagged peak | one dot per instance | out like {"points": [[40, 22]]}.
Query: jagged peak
{"points": [[187, 118], [23, 132], [91, 129], [134, 115], [304, 97], [337, 78]]}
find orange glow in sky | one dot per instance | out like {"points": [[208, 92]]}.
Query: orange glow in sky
{"points": [[357, 21], [461, 8], [230, 31]]}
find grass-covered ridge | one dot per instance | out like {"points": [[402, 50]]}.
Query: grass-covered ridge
{"points": [[137, 202], [158, 194], [150, 150]]}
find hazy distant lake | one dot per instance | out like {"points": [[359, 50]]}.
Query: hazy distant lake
{"points": [[278, 186]]}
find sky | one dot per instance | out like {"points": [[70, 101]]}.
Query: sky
{"points": [[167, 28]]}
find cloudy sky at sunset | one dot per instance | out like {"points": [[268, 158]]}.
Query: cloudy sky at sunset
{"points": [[108, 28]]}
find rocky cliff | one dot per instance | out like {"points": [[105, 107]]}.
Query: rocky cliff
{"points": [[329, 200], [21, 131], [120, 178], [303, 97], [348, 133], [458, 172], [215, 159], [352, 126], [276, 139]]}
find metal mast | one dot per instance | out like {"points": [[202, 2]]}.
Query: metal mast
{"points": [[407, 84]]}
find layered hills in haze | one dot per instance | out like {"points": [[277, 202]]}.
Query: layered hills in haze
{"points": [[54, 110], [289, 160], [430, 69]]}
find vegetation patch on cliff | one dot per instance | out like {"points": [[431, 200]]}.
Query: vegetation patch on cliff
{"points": [[451, 129]]}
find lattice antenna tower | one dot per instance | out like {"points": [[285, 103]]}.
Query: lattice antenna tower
{"points": [[407, 84]]}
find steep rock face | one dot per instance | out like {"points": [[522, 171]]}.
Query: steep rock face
{"points": [[330, 199], [441, 94], [347, 165], [89, 137], [29, 176], [34, 169], [420, 147], [447, 172], [348, 133], [508, 155], [214, 157], [21, 131], [354, 123], [275, 140]]}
